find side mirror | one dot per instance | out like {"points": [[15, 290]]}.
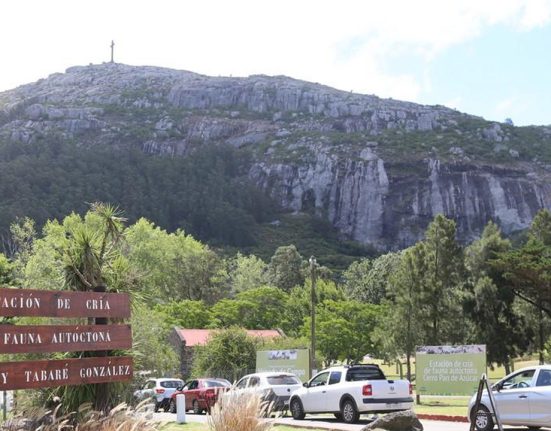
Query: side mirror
{"points": [[179, 388], [305, 384], [497, 387]]}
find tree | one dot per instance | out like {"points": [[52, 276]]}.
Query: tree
{"points": [[6, 270], [173, 266], [88, 259], [540, 228], [401, 328], [83, 254], [229, 353], [490, 303], [344, 330], [355, 279], [185, 314], [92, 249], [286, 268], [368, 281], [247, 272], [22, 236], [298, 305], [151, 349], [441, 303], [527, 270], [259, 308]]}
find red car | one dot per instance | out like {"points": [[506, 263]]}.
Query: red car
{"points": [[201, 394]]}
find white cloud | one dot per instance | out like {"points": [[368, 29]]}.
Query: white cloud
{"points": [[536, 14], [345, 44]]}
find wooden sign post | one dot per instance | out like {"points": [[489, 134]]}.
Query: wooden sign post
{"points": [[64, 338], [61, 303], [48, 373]]}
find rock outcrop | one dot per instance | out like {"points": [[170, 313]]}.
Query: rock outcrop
{"points": [[397, 421], [379, 170]]}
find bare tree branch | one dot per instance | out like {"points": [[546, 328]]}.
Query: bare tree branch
{"points": [[531, 301]]}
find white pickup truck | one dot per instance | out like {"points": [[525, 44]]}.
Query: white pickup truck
{"points": [[349, 391]]}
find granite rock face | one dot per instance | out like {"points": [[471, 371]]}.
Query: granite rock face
{"points": [[374, 205], [378, 169]]}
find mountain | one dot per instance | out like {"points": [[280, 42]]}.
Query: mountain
{"points": [[377, 170]]}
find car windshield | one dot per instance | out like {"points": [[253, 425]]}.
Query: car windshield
{"points": [[364, 373], [171, 383], [216, 384], [520, 380], [283, 380]]}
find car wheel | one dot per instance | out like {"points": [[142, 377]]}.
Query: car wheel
{"points": [[172, 406], [349, 412], [157, 406], [482, 419], [296, 409], [196, 408]]}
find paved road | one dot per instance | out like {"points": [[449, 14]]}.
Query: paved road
{"points": [[327, 423]]}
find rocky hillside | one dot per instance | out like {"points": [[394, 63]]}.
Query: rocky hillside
{"points": [[377, 169]]}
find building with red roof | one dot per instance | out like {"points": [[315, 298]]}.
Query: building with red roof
{"points": [[185, 341]]}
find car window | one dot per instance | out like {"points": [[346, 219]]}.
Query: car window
{"points": [[216, 384], [254, 381], [283, 380], [335, 377], [192, 385], [149, 385], [364, 373], [519, 380], [171, 383], [242, 384], [544, 378], [319, 380]]}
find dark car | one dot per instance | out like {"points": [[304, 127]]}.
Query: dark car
{"points": [[201, 394]]}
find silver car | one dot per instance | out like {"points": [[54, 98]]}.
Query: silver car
{"points": [[160, 391], [273, 387], [522, 398]]}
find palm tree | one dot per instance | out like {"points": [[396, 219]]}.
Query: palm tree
{"points": [[92, 249]]}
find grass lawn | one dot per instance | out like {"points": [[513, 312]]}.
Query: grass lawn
{"points": [[449, 406]]}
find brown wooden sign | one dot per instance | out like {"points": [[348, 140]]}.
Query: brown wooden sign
{"points": [[42, 374], [63, 338], [62, 303]]}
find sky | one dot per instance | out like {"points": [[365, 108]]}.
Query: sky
{"points": [[490, 58]]}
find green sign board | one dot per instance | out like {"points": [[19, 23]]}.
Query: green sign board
{"points": [[449, 370], [294, 361]]}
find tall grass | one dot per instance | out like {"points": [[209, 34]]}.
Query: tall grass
{"points": [[120, 418], [240, 411]]}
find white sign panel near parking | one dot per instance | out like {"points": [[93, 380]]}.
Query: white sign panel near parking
{"points": [[449, 370], [294, 361]]}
